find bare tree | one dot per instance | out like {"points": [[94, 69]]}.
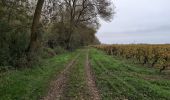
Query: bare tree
{"points": [[72, 13], [87, 12]]}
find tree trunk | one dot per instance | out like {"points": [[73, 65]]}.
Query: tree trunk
{"points": [[33, 45]]}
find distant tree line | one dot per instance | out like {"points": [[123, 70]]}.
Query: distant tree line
{"points": [[32, 29]]}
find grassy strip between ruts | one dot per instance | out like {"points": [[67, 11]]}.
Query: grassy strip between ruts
{"points": [[32, 83], [117, 80], [76, 88]]}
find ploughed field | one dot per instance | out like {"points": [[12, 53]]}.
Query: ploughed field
{"points": [[88, 74]]}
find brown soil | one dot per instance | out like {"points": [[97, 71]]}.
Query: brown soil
{"points": [[93, 91], [57, 86]]}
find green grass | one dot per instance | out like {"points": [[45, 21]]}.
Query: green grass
{"points": [[118, 79], [31, 84], [76, 88]]}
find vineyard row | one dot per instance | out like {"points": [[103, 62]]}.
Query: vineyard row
{"points": [[153, 55]]}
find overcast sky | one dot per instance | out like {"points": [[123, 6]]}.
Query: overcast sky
{"points": [[137, 21]]}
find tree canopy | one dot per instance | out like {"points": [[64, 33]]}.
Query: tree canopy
{"points": [[28, 28]]}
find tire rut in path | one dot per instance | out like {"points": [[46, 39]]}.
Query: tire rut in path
{"points": [[57, 86], [93, 90]]}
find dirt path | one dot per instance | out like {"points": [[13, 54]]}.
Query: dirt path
{"points": [[94, 92], [57, 86]]}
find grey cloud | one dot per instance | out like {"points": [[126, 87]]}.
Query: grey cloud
{"points": [[146, 20]]}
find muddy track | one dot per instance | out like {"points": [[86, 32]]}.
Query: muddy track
{"points": [[93, 90], [57, 86]]}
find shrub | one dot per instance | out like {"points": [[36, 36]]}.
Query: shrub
{"points": [[48, 52], [13, 42], [59, 50]]}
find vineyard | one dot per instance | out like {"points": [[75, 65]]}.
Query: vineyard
{"points": [[157, 56]]}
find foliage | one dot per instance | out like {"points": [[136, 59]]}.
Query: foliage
{"points": [[48, 52], [58, 36], [13, 42], [14, 31], [154, 55], [31, 29], [59, 50]]}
